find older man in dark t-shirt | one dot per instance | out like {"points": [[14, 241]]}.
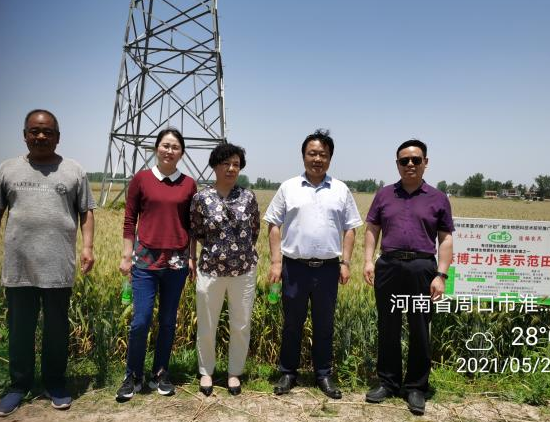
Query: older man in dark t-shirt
{"points": [[411, 215]]}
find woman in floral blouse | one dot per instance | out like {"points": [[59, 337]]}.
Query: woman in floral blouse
{"points": [[225, 219]]}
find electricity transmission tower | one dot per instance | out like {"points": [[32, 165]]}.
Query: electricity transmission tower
{"points": [[170, 75]]}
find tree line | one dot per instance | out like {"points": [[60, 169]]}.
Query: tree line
{"points": [[476, 186], [97, 176], [367, 185]]}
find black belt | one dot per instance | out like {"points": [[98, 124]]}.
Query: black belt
{"points": [[407, 255], [314, 262]]}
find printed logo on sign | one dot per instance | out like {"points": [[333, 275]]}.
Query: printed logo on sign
{"points": [[499, 237]]}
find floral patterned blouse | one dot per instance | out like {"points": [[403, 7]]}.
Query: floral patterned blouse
{"points": [[228, 229]]}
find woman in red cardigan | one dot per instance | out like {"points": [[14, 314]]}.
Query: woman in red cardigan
{"points": [[157, 257]]}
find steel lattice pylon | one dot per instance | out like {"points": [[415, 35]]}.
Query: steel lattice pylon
{"points": [[170, 75]]}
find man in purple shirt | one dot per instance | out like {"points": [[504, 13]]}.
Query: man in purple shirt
{"points": [[411, 215]]}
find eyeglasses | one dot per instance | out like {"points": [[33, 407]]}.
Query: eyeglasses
{"points": [[168, 147], [37, 131], [405, 161]]}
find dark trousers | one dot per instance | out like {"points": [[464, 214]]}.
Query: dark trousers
{"points": [[302, 284], [145, 285], [23, 309], [411, 278]]}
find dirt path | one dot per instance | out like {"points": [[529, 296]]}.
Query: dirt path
{"points": [[302, 404]]}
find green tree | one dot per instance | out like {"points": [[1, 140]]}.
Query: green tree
{"points": [[543, 186], [520, 189], [243, 181], [508, 185], [490, 184], [352, 185], [97, 176], [261, 183], [454, 188], [367, 185], [442, 186], [473, 186]]}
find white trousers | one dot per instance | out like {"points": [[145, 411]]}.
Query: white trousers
{"points": [[241, 291]]}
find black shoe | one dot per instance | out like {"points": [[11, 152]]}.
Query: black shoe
{"points": [[129, 387], [285, 384], [416, 401], [162, 384], [234, 391], [326, 385], [207, 390], [378, 394]]}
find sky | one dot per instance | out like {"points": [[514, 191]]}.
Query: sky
{"points": [[471, 78]]}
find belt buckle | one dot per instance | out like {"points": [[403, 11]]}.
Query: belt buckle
{"points": [[315, 263], [408, 255]]}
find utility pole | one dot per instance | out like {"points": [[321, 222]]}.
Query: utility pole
{"points": [[170, 75]]}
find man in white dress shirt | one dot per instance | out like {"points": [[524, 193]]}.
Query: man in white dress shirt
{"points": [[312, 220]]}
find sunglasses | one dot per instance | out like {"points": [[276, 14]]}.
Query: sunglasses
{"points": [[405, 161]]}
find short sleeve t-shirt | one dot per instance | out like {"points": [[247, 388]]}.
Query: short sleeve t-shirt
{"points": [[43, 203]]}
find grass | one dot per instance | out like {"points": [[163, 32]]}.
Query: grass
{"points": [[99, 323]]}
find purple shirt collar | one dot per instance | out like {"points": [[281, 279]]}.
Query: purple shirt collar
{"points": [[398, 186]]}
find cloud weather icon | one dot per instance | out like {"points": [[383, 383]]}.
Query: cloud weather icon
{"points": [[480, 341]]}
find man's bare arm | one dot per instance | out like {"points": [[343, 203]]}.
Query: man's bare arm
{"points": [[87, 230]]}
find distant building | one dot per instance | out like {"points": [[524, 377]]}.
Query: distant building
{"points": [[490, 194], [531, 195], [510, 193]]}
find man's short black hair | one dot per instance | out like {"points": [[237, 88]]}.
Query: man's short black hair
{"points": [[170, 131], [223, 151], [413, 143], [322, 136], [41, 111]]}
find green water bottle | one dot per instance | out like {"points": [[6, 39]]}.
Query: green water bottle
{"points": [[126, 296], [274, 293]]}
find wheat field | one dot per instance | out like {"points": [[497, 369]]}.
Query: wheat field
{"points": [[99, 323]]}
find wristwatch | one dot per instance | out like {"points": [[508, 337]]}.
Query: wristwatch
{"points": [[345, 262], [442, 275]]}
